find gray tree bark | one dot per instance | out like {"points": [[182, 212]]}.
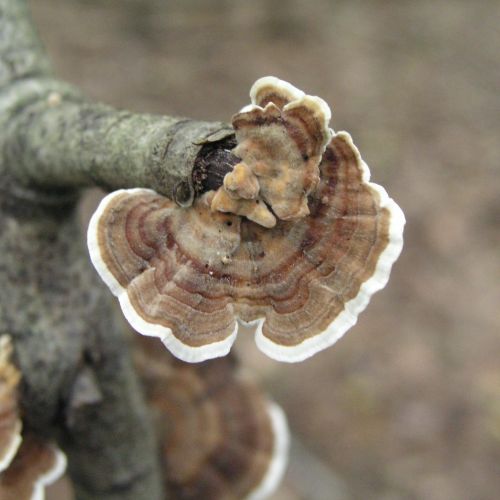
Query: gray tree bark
{"points": [[79, 386]]}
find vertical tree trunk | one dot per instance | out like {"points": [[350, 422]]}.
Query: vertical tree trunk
{"points": [[78, 383]]}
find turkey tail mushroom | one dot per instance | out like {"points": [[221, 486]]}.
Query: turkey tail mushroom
{"points": [[36, 465], [221, 439], [10, 421], [27, 463], [326, 240]]}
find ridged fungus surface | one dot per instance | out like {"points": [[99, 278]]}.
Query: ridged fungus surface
{"points": [[188, 275], [221, 438]]}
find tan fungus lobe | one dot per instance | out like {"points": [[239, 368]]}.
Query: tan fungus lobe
{"points": [[10, 422], [187, 275], [36, 465], [253, 210], [238, 195], [221, 439], [241, 183]]}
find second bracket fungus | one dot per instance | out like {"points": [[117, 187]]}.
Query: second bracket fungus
{"points": [[221, 437], [296, 240]]}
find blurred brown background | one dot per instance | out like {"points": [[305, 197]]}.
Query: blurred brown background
{"points": [[407, 405]]}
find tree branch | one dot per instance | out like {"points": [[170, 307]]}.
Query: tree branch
{"points": [[21, 54], [58, 140], [62, 141]]}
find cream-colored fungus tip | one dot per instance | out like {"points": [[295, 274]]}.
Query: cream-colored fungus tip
{"points": [[241, 182]]}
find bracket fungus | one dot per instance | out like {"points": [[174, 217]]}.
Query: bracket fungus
{"points": [[10, 421], [222, 439], [36, 465], [296, 240], [27, 463]]}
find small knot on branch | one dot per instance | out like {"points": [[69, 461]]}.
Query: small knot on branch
{"points": [[213, 162]]}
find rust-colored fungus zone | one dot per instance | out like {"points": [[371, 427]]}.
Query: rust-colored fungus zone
{"points": [[220, 438], [187, 274]]}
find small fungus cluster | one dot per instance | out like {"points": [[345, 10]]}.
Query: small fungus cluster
{"points": [[295, 241], [281, 137]]}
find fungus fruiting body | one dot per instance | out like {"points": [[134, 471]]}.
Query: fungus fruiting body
{"points": [[281, 137], [27, 463], [221, 438], [10, 421], [36, 465], [295, 241]]}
